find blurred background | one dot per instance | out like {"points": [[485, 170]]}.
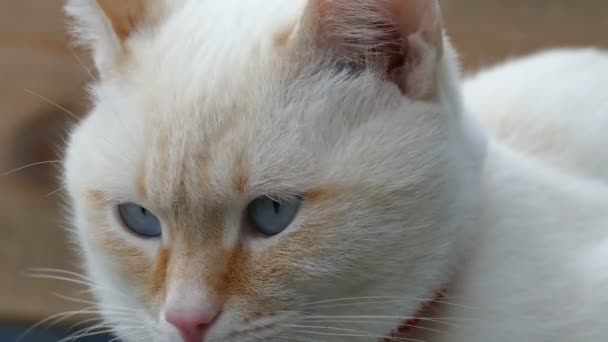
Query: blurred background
{"points": [[42, 80]]}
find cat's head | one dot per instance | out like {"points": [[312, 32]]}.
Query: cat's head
{"points": [[249, 165]]}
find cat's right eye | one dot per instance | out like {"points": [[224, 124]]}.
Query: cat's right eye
{"points": [[139, 220], [271, 217]]}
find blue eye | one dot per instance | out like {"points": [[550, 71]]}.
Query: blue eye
{"points": [[139, 220], [271, 217]]}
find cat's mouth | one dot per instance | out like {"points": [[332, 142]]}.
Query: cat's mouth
{"points": [[410, 325]]}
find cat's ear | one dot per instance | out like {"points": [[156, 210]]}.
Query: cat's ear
{"points": [[103, 26], [401, 38]]}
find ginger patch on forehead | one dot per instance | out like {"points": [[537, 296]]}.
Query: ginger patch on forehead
{"points": [[241, 174]]}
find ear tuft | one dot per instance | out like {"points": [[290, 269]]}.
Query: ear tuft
{"points": [[124, 15], [403, 38], [104, 26]]}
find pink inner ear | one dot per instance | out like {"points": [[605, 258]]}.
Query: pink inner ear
{"points": [[361, 32], [367, 32], [377, 34]]}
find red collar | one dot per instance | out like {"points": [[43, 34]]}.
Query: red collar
{"points": [[409, 325]]}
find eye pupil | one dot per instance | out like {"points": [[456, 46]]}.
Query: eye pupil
{"points": [[276, 206]]}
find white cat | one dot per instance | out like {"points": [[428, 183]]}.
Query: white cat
{"points": [[306, 170]]}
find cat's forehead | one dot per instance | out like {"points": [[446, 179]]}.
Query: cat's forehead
{"points": [[223, 110], [222, 158], [210, 52], [262, 131], [210, 108]]}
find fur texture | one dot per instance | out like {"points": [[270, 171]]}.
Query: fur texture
{"points": [[202, 107]]}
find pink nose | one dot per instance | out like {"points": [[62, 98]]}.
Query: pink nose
{"points": [[192, 322]]}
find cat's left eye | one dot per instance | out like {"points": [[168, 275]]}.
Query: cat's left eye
{"points": [[139, 220], [271, 217]]}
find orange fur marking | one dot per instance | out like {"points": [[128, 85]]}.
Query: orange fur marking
{"points": [[235, 277], [125, 15], [136, 267], [98, 198], [240, 178], [159, 276], [140, 182], [281, 37], [135, 264], [321, 195]]}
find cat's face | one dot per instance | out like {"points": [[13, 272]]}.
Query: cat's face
{"points": [[252, 174]]}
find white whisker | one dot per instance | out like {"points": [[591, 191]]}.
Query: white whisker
{"points": [[342, 330], [52, 320], [439, 320], [114, 309], [52, 103], [93, 331], [388, 300], [405, 339], [59, 271], [368, 321], [82, 281], [380, 298], [133, 334], [98, 329], [99, 320], [299, 338], [50, 194], [88, 71], [32, 165]]}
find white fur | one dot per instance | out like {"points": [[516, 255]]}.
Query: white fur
{"points": [[559, 102], [538, 270], [431, 187]]}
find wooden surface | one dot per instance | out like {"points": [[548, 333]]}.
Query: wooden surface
{"points": [[486, 31], [34, 56]]}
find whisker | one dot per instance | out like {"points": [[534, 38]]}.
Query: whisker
{"points": [[51, 320], [388, 300], [60, 271], [392, 338], [329, 328], [444, 321], [54, 192], [98, 329], [133, 335], [388, 317], [89, 302], [56, 277], [86, 283], [98, 311], [32, 165], [372, 322], [299, 338], [52, 103], [88, 71], [93, 331], [99, 320], [116, 339], [439, 301]]}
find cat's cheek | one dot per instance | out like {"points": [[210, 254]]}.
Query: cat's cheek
{"points": [[144, 275], [141, 265]]}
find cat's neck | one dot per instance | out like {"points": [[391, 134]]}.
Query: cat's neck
{"points": [[534, 220]]}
